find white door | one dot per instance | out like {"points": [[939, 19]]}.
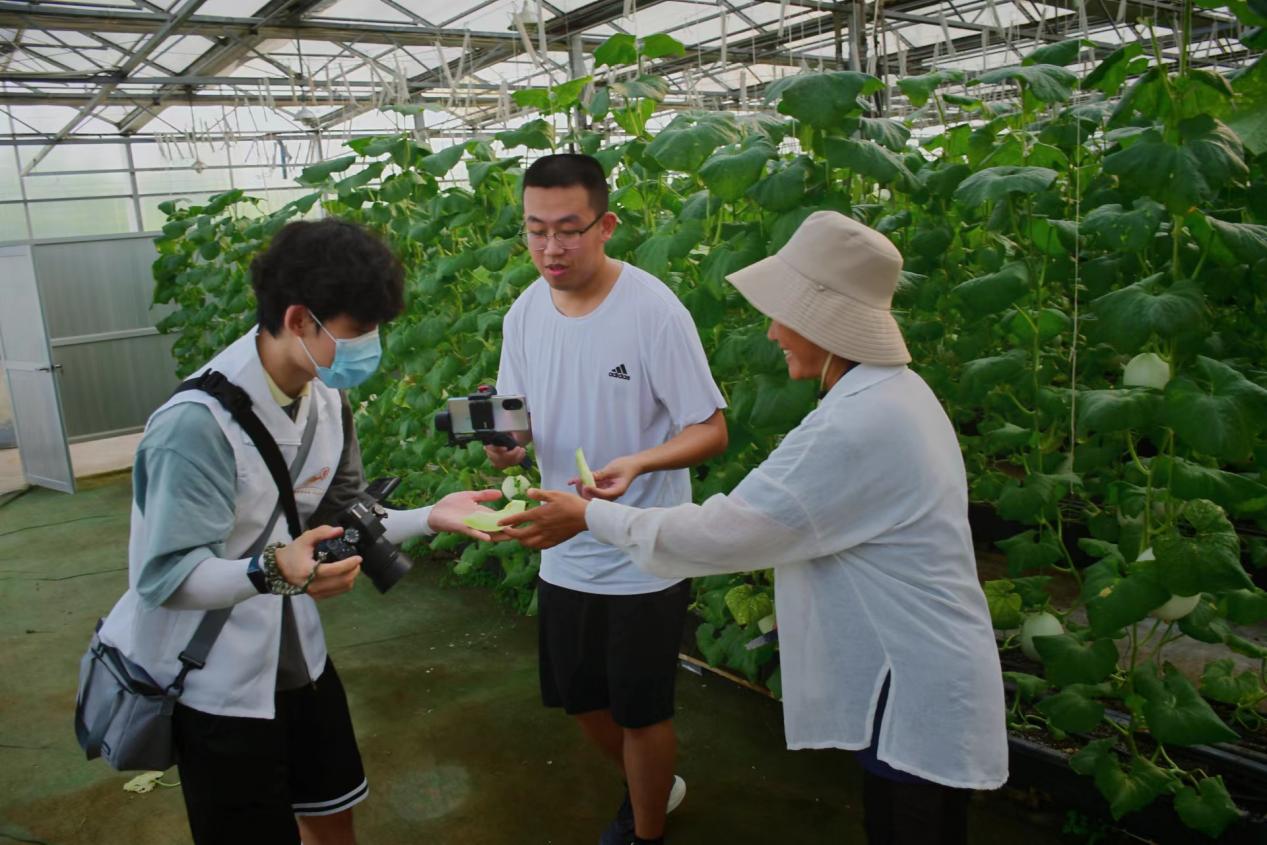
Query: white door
{"points": [[27, 361]]}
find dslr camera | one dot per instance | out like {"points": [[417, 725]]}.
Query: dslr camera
{"points": [[485, 417], [362, 523]]}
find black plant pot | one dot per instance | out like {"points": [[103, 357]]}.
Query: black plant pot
{"points": [[1038, 768]]}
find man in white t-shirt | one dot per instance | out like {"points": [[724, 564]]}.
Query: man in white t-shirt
{"points": [[609, 361]]}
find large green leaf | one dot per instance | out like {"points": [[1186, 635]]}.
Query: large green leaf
{"points": [[784, 188], [659, 45], [532, 98], [1175, 711], [1189, 480], [1107, 411], [1249, 116], [317, 173], [620, 49], [535, 135], [1030, 550], [439, 164], [979, 376], [1246, 241], [1125, 603], [1111, 227], [1208, 156], [866, 157], [992, 293], [1220, 682], [885, 131], [731, 172], [685, 148], [1032, 499], [645, 87], [822, 100], [1072, 710], [1111, 73], [1133, 789], [1244, 607], [1202, 554], [565, 95], [1215, 409], [748, 603], [1069, 660], [1047, 83], [918, 89], [1208, 808], [1129, 317], [1062, 53], [1004, 604], [994, 183]]}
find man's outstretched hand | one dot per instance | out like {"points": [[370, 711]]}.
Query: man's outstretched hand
{"points": [[560, 517], [448, 513], [612, 481]]}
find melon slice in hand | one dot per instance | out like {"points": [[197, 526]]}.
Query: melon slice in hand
{"points": [[583, 468], [486, 520]]}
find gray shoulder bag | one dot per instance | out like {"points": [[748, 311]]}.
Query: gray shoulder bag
{"points": [[121, 712]]}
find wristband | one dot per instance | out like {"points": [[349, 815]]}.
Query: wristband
{"points": [[277, 583]]}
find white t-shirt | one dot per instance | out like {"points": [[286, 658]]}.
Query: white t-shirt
{"points": [[628, 376]]}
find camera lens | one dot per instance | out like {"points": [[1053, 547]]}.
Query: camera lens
{"points": [[444, 422], [512, 404]]}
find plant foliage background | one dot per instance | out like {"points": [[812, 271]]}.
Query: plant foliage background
{"points": [[1047, 243]]}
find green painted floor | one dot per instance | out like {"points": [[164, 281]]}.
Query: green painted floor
{"points": [[442, 682]]}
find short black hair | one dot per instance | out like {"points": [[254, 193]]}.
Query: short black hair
{"points": [[565, 170], [330, 267]]}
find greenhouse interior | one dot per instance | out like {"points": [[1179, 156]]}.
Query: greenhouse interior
{"points": [[913, 489]]}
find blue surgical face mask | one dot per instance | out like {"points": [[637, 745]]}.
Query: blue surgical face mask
{"points": [[355, 359]]}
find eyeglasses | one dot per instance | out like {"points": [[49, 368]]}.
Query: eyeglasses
{"points": [[566, 239]]}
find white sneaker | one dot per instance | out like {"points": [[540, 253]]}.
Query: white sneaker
{"points": [[676, 794]]}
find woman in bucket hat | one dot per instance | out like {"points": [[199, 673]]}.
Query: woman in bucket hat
{"points": [[885, 639]]}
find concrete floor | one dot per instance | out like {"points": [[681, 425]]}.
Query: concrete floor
{"points": [[442, 683], [89, 458]]}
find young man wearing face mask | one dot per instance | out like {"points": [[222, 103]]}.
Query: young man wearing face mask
{"points": [[610, 361], [262, 732]]}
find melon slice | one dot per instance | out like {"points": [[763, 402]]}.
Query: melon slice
{"points": [[583, 468], [486, 520]]}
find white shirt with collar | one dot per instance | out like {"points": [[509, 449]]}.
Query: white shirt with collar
{"points": [[862, 513]]}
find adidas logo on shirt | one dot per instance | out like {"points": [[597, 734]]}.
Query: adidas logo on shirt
{"points": [[620, 372]]}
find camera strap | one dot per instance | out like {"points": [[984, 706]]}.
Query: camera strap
{"points": [[237, 402]]}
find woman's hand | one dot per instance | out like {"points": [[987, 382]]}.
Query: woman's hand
{"points": [[560, 517], [448, 513]]}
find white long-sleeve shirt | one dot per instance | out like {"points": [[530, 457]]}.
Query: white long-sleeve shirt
{"points": [[862, 513]]}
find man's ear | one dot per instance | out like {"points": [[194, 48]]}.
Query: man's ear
{"points": [[608, 225], [296, 320]]}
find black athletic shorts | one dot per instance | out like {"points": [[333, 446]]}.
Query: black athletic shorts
{"points": [[600, 652], [245, 780]]}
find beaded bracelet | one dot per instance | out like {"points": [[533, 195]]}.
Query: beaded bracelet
{"points": [[277, 583]]}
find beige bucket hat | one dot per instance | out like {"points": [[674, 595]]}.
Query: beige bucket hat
{"points": [[833, 284]]}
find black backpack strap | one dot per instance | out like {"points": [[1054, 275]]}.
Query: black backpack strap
{"points": [[238, 403]]}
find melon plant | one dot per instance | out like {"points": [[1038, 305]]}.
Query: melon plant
{"points": [[1046, 241]]}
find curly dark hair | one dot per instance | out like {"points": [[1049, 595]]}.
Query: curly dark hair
{"points": [[565, 170], [330, 267]]}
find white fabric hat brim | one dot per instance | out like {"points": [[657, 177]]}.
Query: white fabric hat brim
{"points": [[832, 320]]}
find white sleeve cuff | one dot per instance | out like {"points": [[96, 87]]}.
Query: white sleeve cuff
{"points": [[399, 526]]}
